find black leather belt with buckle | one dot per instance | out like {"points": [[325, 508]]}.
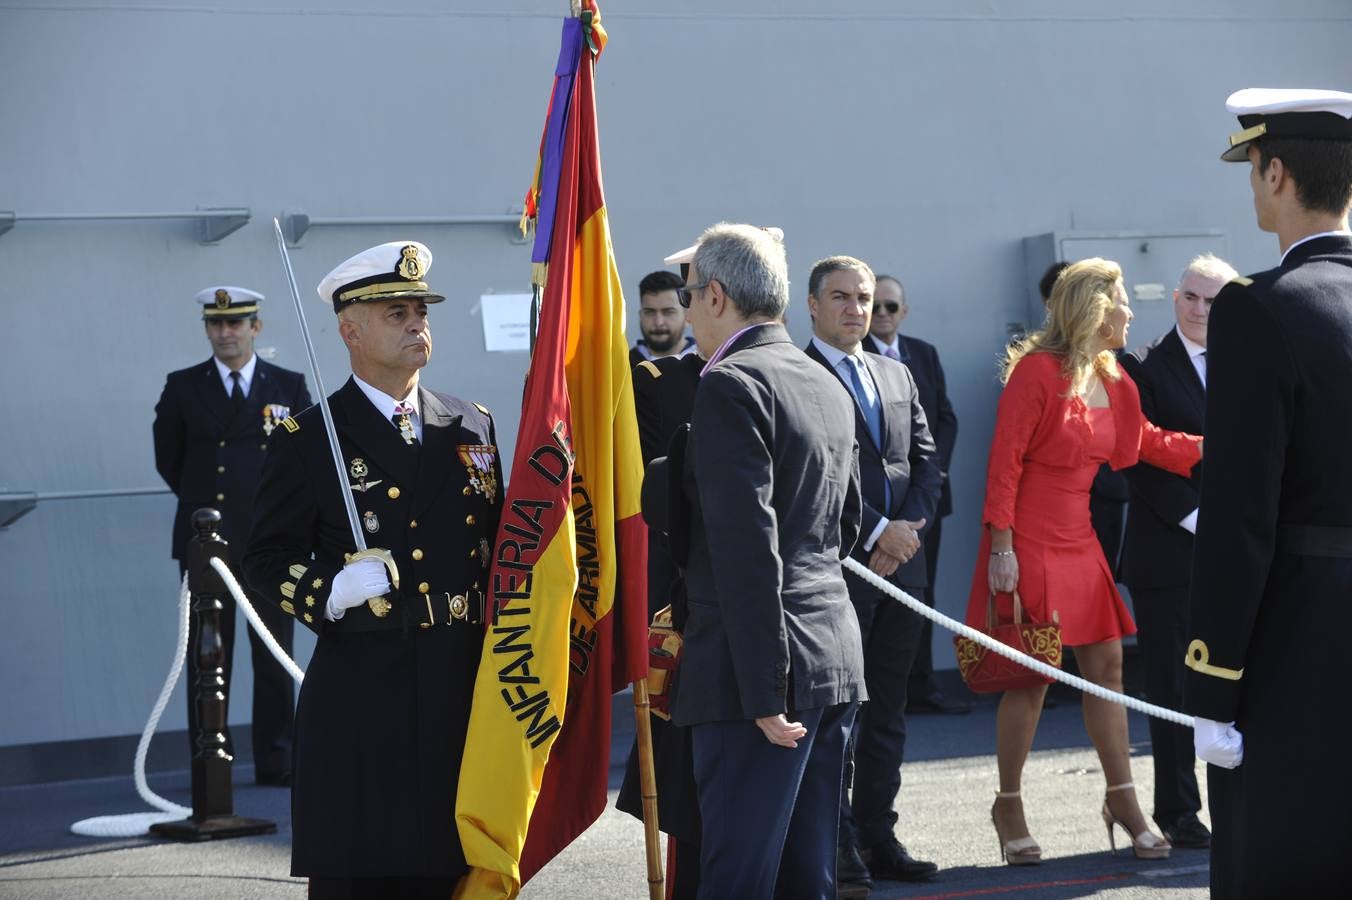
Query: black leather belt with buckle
{"points": [[446, 609]]}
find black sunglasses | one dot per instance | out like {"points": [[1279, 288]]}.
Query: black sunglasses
{"points": [[685, 294], [891, 306]]}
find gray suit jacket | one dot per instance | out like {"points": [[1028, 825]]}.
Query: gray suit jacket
{"points": [[907, 460], [772, 475]]}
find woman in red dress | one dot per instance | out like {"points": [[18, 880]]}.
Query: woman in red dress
{"points": [[1066, 408]]}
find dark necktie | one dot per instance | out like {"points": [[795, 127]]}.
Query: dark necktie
{"points": [[236, 392], [871, 406], [402, 421], [1201, 368]]}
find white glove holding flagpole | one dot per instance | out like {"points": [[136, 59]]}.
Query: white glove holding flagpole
{"points": [[1218, 743], [357, 583]]}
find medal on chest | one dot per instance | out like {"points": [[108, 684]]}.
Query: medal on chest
{"points": [[478, 460], [273, 414], [359, 470]]}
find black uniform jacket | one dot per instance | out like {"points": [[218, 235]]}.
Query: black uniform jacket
{"points": [[1272, 573], [772, 475], [209, 455], [922, 358], [381, 720], [664, 398], [907, 460], [1157, 552]]}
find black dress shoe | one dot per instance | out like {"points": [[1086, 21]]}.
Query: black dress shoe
{"points": [[937, 703], [1187, 832], [850, 868], [889, 861], [282, 779]]}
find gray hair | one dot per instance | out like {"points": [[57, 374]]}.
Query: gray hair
{"points": [[750, 265], [1211, 267]]}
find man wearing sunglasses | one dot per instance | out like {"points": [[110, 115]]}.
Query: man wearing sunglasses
{"points": [[921, 357], [772, 668]]}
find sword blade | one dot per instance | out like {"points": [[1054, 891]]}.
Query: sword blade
{"points": [[349, 504]]}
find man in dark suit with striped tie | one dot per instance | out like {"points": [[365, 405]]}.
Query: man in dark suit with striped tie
{"points": [[1157, 553], [900, 478], [212, 426]]}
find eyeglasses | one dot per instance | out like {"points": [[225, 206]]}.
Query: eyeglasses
{"points": [[685, 294], [891, 306]]}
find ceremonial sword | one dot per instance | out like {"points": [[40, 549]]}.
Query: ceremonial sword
{"points": [[379, 605]]}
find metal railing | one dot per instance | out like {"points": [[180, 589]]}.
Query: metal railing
{"points": [[14, 505]]}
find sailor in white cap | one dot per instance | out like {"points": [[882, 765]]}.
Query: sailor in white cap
{"points": [[211, 432], [381, 722], [1272, 564]]}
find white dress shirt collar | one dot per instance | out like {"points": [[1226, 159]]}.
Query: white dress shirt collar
{"points": [[385, 404], [834, 355], [246, 373], [883, 346], [1340, 232], [1196, 354], [1194, 349]]}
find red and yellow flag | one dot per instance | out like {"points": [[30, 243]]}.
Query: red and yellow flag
{"points": [[568, 579]]}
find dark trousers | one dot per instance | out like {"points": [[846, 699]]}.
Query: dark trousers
{"points": [[770, 813], [274, 704], [1162, 635], [922, 670], [891, 634]]}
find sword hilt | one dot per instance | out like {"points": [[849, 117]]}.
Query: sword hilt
{"points": [[380, 606]]}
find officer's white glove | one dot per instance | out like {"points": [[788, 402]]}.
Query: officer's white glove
{"points": [[1218, 743], [354, 585]]}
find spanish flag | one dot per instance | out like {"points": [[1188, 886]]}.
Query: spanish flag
{"points": [[568, 578]]}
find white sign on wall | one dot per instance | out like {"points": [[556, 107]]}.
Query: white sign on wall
{"points": [[506, 320]]}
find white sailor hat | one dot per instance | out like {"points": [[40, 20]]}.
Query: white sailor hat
{"points": [[1294, 113], [393, 270], [228, 302]]}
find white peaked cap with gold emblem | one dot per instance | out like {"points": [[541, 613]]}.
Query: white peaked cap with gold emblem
{"points": [[1287, 112], [225, 301], [394, 270]]}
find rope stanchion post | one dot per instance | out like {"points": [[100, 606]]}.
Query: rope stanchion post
{"points": [[213, 808]]}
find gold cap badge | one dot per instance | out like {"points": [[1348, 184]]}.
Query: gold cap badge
{"points": [[409, 267], [222, 298]]}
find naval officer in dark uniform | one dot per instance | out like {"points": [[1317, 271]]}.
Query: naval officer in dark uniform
{"points": [[380, 727], [212, 427], [1272, 567]]}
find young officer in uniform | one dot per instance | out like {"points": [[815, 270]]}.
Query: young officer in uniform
{"points": [[212, 427], [1272, 563], [380, 727]]}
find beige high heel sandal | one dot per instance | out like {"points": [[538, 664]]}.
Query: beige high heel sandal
{"points": [[1021, 851], [1146, 845]]}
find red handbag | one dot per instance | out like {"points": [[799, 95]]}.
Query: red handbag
{"points": [[987, 672]]}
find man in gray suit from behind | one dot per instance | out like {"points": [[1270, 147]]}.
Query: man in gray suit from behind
{"points": [[772, 669]]}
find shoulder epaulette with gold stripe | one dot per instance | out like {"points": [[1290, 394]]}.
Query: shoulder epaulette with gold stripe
{"points": [[651, 368]]}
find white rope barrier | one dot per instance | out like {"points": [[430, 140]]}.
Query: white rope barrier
{"points": [[134, 824], [137, 824], [232, 585], [1009, 652]]}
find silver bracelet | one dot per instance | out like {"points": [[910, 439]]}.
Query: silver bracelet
{"points": [[1002, 553]]}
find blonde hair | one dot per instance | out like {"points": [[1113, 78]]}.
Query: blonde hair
{"points": [[1081, 299]]}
